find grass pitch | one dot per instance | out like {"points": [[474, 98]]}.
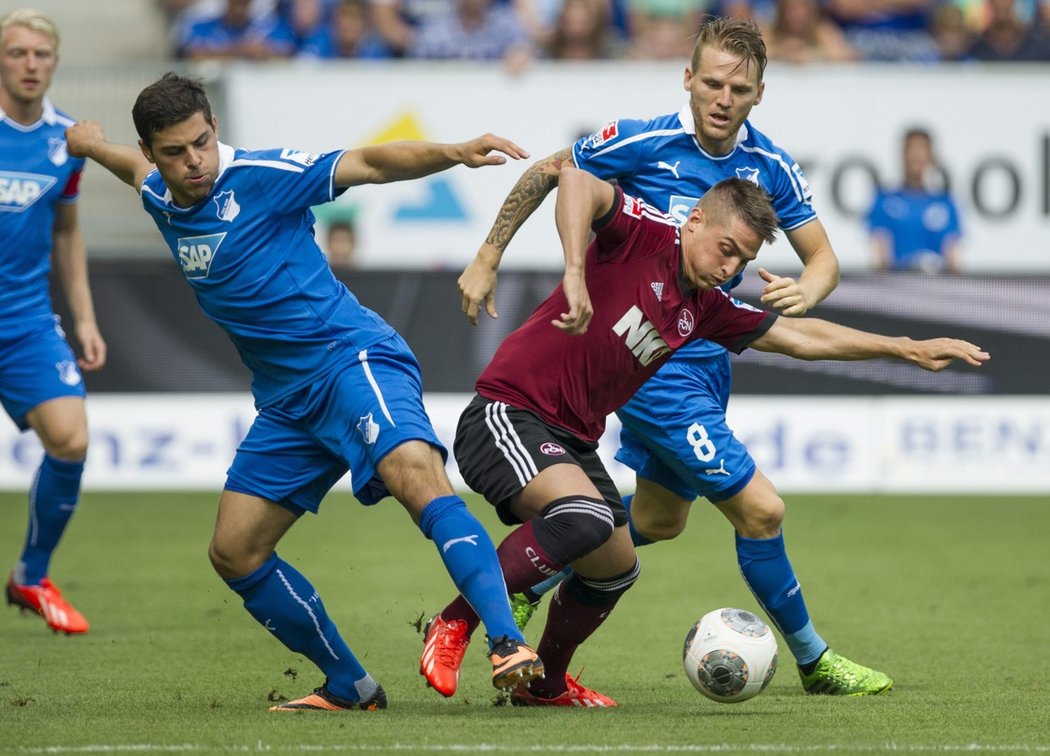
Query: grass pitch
{"points": [[951, 596]]}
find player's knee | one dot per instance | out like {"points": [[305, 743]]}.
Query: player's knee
{"points": [[574, 526], [660, 529], [70, 444], [231, 560], [763, 518]]}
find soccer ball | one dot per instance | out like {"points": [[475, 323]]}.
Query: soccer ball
{"points": [[730, 655]]}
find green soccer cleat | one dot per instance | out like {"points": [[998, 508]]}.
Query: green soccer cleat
{"points": [[522, 609], [836, 675]]}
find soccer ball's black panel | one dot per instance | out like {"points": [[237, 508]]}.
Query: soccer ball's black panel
{"points": [[723, 673]]}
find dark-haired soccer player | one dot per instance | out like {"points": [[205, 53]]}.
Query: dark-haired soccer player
{"points": [[528, 440], [40, 384], [335, 386]]}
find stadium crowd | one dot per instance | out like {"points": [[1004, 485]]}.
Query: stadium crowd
{"points": [[517, 31]]}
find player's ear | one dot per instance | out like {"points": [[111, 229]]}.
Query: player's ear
{"points": [[687, 79], [146, 151], [215, 125], [761, 91]]}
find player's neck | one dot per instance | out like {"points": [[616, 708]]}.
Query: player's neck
{"points": [[718, 147], [20, 111]]}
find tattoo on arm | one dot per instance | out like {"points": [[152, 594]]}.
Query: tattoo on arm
{"points": [[527, 195]]}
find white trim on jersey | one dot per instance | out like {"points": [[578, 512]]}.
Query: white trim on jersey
{"points": [[779, 159], [363, 357], [508, 442], [635, 138], [266, 164]]}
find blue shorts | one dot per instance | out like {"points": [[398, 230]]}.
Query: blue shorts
{"points": [[675, 433], [351, 418], [36, 365]]}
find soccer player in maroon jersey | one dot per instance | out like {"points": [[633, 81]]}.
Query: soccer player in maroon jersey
{"points": [[528, 441]]}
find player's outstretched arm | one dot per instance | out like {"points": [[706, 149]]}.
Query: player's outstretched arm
{"points": [[477, 285], [402, 161], [86, 139], [815, 339], [69, 260], [582, 199]]}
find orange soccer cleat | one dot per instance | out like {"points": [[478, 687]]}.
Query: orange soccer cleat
{"points": [[47, 601], [575, 695], [444, 645], [322, 700]]}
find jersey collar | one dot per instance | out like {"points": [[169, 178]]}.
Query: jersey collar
{"points": [[685, 117], [48, 117]]}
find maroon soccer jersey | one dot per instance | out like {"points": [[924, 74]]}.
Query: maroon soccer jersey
{"points": [[641, 315]]}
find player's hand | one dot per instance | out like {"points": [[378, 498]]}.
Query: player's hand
{"points": [[784, 294], [92, 346], [475, 153], [477, 284], [576, 320], [80, 136], [937, 354]]}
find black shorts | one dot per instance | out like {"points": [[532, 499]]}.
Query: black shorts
{"points": [[500, 448]]}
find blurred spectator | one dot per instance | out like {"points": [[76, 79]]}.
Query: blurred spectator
{"points": [[583, 31], [1007, 37], [916, 227], [664, 29], [951, 33], [800, 33], [236, 33], [348, 34], [887, 30], [473, 30], [340, 244]]}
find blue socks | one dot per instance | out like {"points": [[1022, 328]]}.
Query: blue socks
{"points": [[52, 501], [768, 573], [284, 602], [470, 558]]}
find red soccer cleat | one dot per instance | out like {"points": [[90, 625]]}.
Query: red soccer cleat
{"points": [[574, 695], [444, 645], [47, 601]]}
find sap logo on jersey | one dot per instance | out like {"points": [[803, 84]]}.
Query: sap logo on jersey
{"points": [[197, 252], [679, 207], [19, 191], [642, 338]]}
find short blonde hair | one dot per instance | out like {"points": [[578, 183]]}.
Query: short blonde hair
{"points": [[30, 19]]}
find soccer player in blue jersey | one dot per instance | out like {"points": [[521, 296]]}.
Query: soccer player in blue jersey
{"points": [[336, 388], [675, 434], [40, 382]]}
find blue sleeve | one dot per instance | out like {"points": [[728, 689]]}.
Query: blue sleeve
{"points": [[610, 152], [790, 192], [293, 180], [877, 218]]}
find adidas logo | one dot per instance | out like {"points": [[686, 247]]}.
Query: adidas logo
{"points": [[658, 289]]}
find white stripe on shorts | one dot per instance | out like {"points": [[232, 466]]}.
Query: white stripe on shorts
{"points": [[507, 441], [363, 356]]}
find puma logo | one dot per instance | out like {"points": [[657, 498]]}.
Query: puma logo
{"points": [[672, 168], [471, 539]]}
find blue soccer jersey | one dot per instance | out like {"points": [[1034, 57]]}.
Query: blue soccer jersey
{"points": [[248, 252], [919, 225], [661, 162], [36, 174]]}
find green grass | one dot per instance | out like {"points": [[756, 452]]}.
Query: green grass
{"points": [[951, 596]]}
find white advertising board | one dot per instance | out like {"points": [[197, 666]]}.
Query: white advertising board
{"points": [[885, 444], [842, 124]]}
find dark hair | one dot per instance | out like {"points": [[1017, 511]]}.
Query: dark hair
{"points": [[918, 132], [745, 199], [164, 103], [738, 36]]}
